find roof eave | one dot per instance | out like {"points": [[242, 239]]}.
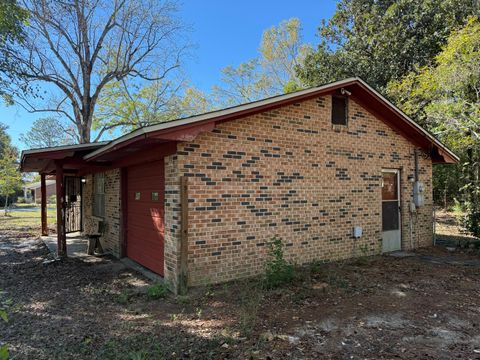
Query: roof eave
{"points": [[223, 114]]}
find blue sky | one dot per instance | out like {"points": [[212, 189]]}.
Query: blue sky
{"points": [[224, 32]]}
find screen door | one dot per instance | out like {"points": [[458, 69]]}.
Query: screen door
{"points": [[391, 236]]}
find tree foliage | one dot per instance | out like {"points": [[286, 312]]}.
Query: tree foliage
{"points": [[47, 132], [446, 96], [382, 40], [130, 106], [5, 141], [76, 47], [127, 105], [269, 74], [10, 177], [12, 19]]}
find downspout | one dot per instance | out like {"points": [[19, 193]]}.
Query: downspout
{"points": [[416, 164], [412, 208]]}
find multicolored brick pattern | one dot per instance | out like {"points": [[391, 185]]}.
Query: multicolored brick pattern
{"points": [[289, 173]]}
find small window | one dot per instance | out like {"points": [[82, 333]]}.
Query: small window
{"points": [[137, 195], [99, 195], [339, 110], [154, 196]]}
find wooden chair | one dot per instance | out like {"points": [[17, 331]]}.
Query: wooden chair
{"points": [[94, 245]]}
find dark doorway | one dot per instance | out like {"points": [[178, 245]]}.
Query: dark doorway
{"points": [[73, 204]]}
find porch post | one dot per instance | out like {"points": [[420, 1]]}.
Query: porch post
{"points": [[61, 235], [43, 189]]}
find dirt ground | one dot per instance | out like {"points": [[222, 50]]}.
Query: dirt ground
{"points": [[424, 307], [448, 227]]}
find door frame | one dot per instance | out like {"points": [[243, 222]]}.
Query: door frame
{"points": [[65, 189], [399, 200]]}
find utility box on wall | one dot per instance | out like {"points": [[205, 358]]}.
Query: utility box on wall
{"points": [[419, 194], [357, 232]]}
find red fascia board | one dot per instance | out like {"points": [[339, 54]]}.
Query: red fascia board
{"points": [[149, 154], [178, 133], [387, 113], [368, 98]]}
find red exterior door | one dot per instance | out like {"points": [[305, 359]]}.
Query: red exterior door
{"points": [[145, 215]]}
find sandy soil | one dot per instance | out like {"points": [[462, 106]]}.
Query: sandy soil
{"points": [[425, 307], [448, 227]]}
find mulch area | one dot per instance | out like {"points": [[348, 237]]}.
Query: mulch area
{"points": [[376, 308]]}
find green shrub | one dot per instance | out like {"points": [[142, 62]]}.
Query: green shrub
{"points": [[158, 291], [277, 270], [123, 297], [316, 267], [471, 222], [4, 305]]}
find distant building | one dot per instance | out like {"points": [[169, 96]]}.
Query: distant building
{"points": [[33, 192]]}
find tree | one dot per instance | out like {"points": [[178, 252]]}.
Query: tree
{"points": [[77, 47], [131, 106], [10, 177], [12, 18], [446, 96], [382, 40], [47, 132], [269, 74], [5, 141]]}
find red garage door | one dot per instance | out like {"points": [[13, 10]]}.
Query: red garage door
{"points": [[145, 237]]}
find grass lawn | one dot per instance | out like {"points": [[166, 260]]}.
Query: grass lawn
{"points": [[26, 219]]}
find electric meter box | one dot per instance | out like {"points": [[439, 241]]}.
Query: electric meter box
{"points": [[419, 193]]}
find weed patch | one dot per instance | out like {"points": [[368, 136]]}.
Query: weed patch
{"points": [[123, 298], [250, 295], [158, 291], [278, 271]]}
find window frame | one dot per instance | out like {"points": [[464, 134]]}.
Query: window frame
{"points": [[99, 195], [332, 119]]}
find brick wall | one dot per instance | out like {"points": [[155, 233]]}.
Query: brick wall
{"points": [[172, 219], [111, 239], [290, 173]]}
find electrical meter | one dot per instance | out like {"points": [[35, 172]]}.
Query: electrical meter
{"points": [[419, 194]]}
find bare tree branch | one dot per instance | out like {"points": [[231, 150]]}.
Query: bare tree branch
{"points": [[78, 47]]}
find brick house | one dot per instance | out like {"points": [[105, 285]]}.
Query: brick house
{"points": [[335, 171]]}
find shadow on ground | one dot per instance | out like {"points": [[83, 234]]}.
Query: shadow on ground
{"points": [[424, 306]]}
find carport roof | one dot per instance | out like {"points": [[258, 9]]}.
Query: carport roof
{"points": [[42, 160]]}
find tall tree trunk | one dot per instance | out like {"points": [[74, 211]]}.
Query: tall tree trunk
{"points": [[6, 205], [84, 133]]}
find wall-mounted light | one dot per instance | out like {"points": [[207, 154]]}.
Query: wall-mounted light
{"points": [[411, 178], [84, 180]]}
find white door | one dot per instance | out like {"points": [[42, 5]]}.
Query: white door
{"points": [[391, 235]]}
